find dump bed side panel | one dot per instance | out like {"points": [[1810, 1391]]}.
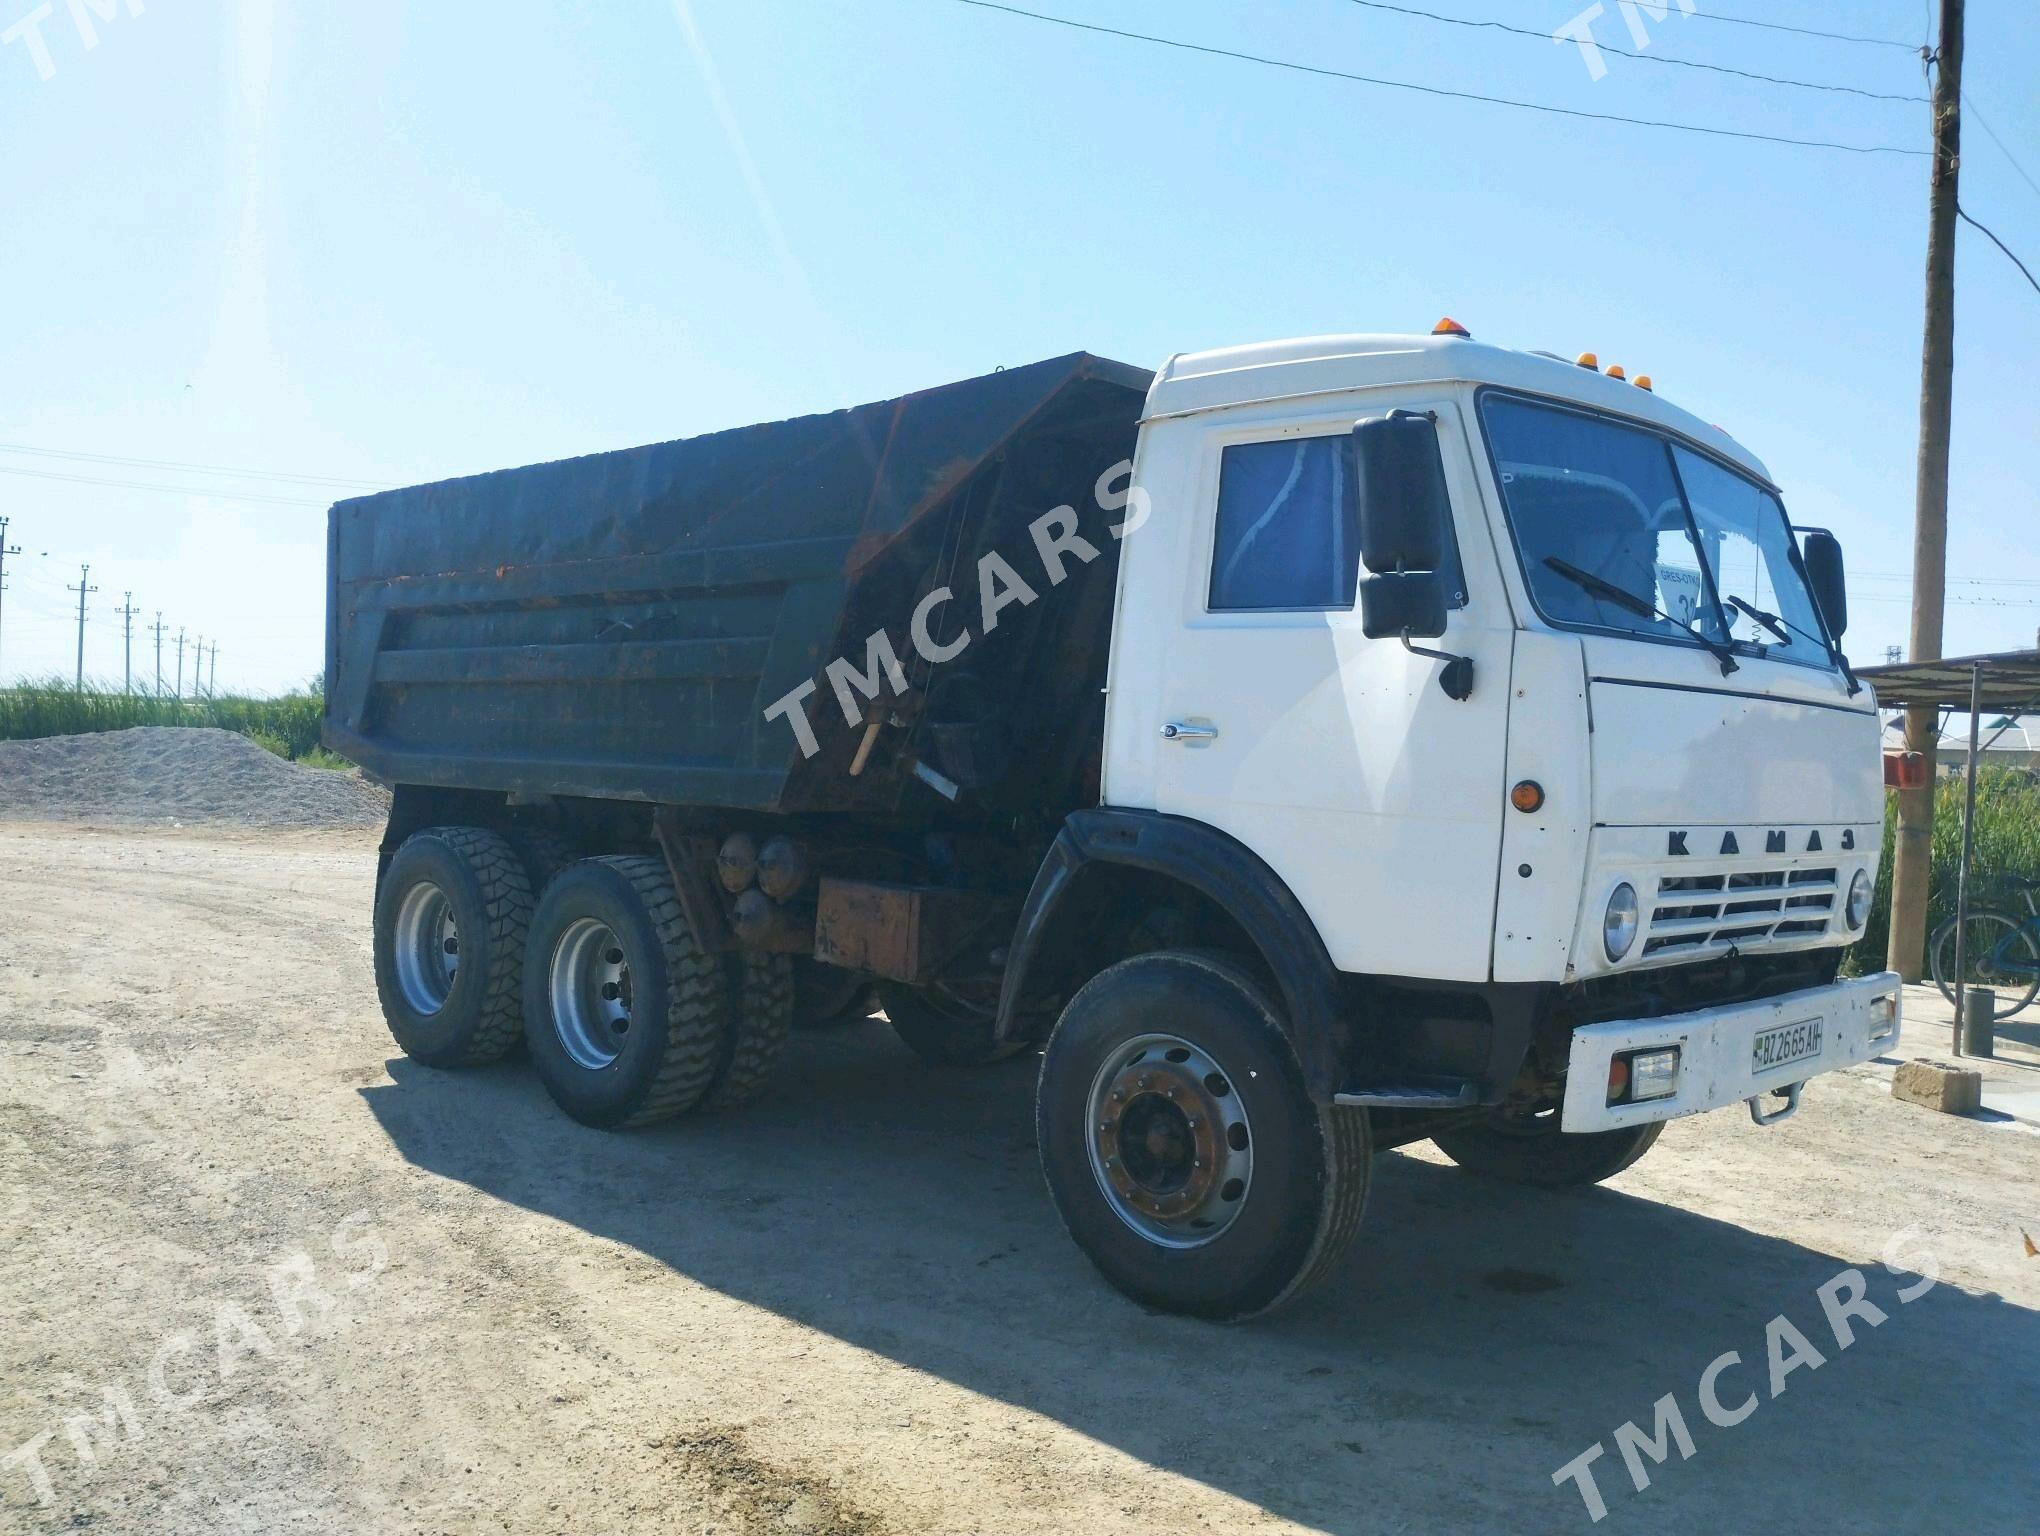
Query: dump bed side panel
{"points": [[614, 626]]}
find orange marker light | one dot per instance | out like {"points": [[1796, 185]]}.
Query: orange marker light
{"points": [[1618, 1080], [1643, 381], [1588, 360], [1615, 371], [1527, 796], [1450, 327]]}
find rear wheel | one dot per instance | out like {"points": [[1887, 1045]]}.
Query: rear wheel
{"points": [[627, 1021], [1182, 1151], [761, 1013], [449, 932], [1530, 1149], [1998, 953]]}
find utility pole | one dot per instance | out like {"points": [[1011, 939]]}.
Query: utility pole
{"points": [[6, 549], [1913, 857], [180, 665], [84, 575], [157, 627], [212, 676], [127, 642]]}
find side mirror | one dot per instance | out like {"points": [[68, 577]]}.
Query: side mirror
{"points": [[1402, 603], [1404, 506], [1822, 554]]}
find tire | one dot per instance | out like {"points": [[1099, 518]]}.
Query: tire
{"points": [[450, 922], [761, 1012], [608, 938], [1203, 1248], [1508, 1150], [827, 996], [1989, 933], [545, 853], [941, 1032]]}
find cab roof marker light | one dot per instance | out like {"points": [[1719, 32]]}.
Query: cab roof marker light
{"points": [[1588, 360], [1451, 327], [1643, 382], [1615, 371]]}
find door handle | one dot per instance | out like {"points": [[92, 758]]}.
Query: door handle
{"points": [[1178, 730]]}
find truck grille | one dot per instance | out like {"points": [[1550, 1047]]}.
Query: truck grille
{"points": [[1694, 913]]}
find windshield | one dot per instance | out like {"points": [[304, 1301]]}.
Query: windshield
{"points": [[1620, 528]]}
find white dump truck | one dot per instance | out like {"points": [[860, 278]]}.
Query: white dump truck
{"points": [[1309, 749]]}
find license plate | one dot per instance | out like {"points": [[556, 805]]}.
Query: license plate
{"points": [[1786, 1043]]}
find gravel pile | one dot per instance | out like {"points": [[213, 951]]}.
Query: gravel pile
{"points": [[163, 774]]}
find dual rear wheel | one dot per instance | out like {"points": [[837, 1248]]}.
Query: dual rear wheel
{"points": [[627, 1021]]}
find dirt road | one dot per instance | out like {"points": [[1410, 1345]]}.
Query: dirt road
{"points": [[852, 1309]]}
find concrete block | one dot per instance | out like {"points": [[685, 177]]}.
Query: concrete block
{"points": [[1951, 1090]]}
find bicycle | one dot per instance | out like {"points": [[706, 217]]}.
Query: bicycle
{"points": [[2002, 952]]}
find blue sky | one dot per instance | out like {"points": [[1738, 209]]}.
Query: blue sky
{"points": [[394, 241]]}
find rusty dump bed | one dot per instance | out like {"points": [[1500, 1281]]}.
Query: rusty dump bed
{"points": [[615, 626]]}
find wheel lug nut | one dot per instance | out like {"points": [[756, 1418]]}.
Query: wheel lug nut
{"points": [[1145, 1080]]}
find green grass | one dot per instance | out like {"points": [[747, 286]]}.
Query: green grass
{"points": [[287, 725], [2007, 843]]}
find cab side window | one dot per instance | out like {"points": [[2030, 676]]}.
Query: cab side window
{"points": [[1288, 534], [1288, 530]]}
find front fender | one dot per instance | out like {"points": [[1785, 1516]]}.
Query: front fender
{"points": [[1229, 874]]}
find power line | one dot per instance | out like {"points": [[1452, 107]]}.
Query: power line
{"points": [[1647, 58], [1437, 90], [2003, 148], [195, 469], [174, 490], [1963, 214], [1779, 26]]}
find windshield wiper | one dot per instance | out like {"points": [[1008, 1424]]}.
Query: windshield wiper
{"points": [[1784, 629], [1642, 607], [1770, 621]]}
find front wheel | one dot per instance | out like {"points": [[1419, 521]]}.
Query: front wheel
{"points": [[1999, 953], [945, 1028], [1530, 1149], [1180, 1147]]}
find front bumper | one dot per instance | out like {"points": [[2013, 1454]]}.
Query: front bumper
{"points": [[1716, 1049]]}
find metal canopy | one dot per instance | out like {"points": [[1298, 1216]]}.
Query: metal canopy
{"points": [[2007, 682]]}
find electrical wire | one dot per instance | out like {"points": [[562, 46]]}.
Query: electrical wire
{"points": [[195, 469], [1963, 214], [1646, 58], [1779, 26], [174, 490], [2003, 148], [1435, 90]]}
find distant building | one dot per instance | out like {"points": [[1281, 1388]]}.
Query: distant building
{"points": [[2005, 741]]}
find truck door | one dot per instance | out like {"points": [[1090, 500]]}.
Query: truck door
{"points": [[1336, 758]]}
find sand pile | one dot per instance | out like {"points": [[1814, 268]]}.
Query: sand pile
{"points": [[163, 774]]}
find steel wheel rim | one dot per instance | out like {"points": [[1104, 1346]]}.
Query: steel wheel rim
{"points": [[427, 949], [1169, 1141], [590, 988]]}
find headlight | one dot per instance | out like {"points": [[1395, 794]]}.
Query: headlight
{"points": [[1618, 924], [1860, 891]]}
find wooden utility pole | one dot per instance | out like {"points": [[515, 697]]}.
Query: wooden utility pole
{"points": [[1913, 857]]}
